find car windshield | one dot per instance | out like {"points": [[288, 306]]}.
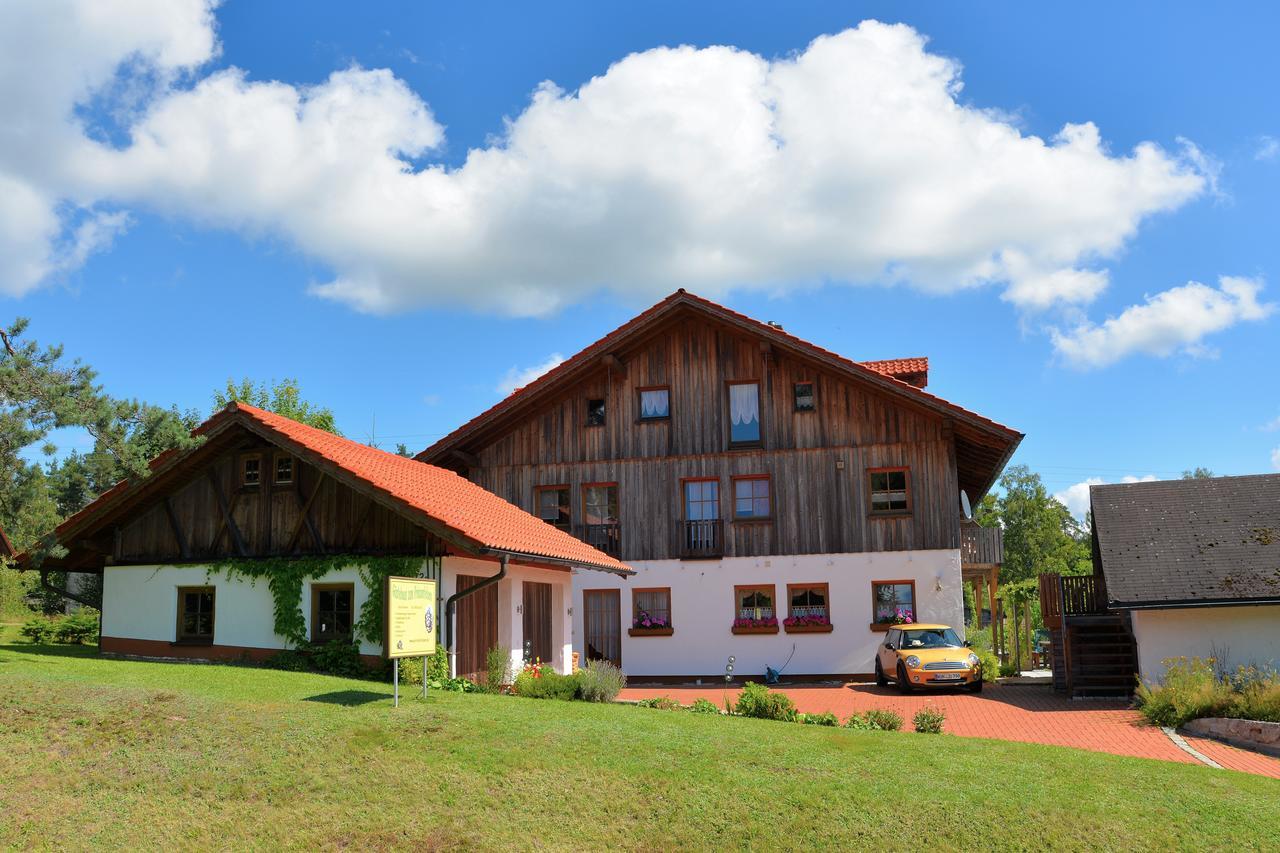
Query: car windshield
{"points": [[930, 638]]}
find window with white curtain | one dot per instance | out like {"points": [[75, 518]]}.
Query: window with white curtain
{"points": [[744, 413]]}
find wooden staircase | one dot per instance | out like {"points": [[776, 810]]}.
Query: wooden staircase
{"points": [[1094, 654]]}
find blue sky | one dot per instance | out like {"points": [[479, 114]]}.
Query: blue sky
{"points": [[193, 283]]}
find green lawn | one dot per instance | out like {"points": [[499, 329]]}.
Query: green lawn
{"points": [[126, 754]]}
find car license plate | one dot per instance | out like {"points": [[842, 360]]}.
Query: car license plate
{"points": [[948, 676]]}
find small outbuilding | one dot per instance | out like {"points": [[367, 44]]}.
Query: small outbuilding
{"points": [[1196, 566], [270, 534]]}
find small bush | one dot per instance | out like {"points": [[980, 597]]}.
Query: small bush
{"points": [[824, 719], [410, 670], [438, 664], [600, 681], [704, 706], [289, 660], [758, 701], [990, 664], [338, 658], [37, 630], [543, 683], [875, 720], [77, 628], [1008, 669], [1257, 695], [928, 721], [662, 703], [497, 664]]}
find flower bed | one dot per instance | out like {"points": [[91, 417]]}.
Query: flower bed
{"points": [[1193, 689], [807, 625]]}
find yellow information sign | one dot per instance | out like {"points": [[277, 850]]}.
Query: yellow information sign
{"points": [[409, 617]]}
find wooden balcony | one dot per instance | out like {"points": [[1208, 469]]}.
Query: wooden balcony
{"points": [[604, 537], [981, 546], [1082, 595], [701, 540]]}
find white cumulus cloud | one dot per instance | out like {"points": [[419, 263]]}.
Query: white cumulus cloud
{"points": [[518, 377], [1275, 459], [1178, 319], [1076, 497], [1268, 148], [852, 160]]}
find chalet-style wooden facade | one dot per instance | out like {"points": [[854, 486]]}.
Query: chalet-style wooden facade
{"points": [[260, 486], [695, 440]]}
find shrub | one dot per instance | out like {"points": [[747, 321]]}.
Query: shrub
{"points": [[1190, 690], [600, 681], [824, 719], [76, 628], [37, 629], [1257, 695], [662, 703], [289, 660], [410, 670], [438, 664], [758, 701], [337, 657], [875, 720], [990, 664], [928, 721], [497, 664], [704, 706], [1008, 669], [540, 682]]}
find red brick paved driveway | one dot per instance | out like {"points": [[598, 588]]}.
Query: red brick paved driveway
{"points": [[1022, 713]]}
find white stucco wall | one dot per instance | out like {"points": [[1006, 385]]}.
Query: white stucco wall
{"points": [[702, 610], [141, 603], [1239, 635]]}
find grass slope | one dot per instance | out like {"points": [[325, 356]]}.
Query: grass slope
{"points": [[128, 754]]}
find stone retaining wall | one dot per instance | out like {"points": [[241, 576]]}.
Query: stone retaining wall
{"points": [[1246, 734]]}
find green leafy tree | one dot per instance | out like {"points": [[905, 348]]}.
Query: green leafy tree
{"points": [[283, 398], [1040, 534], [1198, 474]]}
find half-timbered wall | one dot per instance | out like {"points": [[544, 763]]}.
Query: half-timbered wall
{"points": [[817, 460]]}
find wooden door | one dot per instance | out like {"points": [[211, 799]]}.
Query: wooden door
{"points": [[603, 620], [477, 627], [537, 621]]}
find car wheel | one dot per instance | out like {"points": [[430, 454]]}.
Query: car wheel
{"points": [[976, 687], [904, 685], [881, 681]]}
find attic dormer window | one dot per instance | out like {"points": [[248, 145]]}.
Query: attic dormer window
{"points": [[284, 470], [251, 470]]}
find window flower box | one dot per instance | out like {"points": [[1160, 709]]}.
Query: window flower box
{"points": [[811, 624], [644, 625], [638, 631], [765, 625]]}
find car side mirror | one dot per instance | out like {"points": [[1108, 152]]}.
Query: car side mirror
{"points": [[889, 646]]}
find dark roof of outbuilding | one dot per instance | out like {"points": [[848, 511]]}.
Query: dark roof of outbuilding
{"points": [[1189, 542]]}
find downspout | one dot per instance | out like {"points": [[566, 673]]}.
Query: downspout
{"points": [[451, 605]]}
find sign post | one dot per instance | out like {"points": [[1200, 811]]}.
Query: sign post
{"points": [[409, 623]]}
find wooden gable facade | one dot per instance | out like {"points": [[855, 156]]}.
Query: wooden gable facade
{"points": [[818, 456], [239, 495]]}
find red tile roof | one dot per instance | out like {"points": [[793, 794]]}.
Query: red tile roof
{"points": [[898, 366], [476, 515], [602, 346]]}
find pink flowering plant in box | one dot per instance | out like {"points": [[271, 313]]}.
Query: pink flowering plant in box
{"points": [[895, 615], [809, 620], [643, 619], [762, 622]]}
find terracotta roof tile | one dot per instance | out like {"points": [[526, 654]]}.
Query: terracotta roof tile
{"points": [[898, 366]]}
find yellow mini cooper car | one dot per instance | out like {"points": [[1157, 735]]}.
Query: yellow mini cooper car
{"points": [[914, 655]]}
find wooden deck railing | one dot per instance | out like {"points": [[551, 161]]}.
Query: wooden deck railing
{"points": [[1079, 595], [605, 537], [702, 539], [981, 545]]}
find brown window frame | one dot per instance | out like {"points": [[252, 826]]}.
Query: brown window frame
{"points": [[813, 393], [604, 412], [640, 418], [245, 458], [195, 639], [871, 492], [885, 626], [733, 488], [553, 487], [684, 497], [317, 588], [826, 594], [728, 410], [275, 469], [637, 631], [601, 485], [738, 590]]}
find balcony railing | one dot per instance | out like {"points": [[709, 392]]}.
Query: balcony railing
{"points": [[604, 537], [702, 539], [979, 545], [1080, 595]]}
